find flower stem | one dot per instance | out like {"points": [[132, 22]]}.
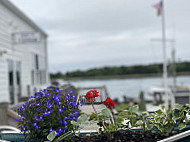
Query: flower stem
{"points": [[97, 113], [94, 108]]}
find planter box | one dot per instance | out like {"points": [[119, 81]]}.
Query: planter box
{"points": [[133, 135]]}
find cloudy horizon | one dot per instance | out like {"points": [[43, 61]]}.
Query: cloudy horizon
{"points": [[87, 34]]}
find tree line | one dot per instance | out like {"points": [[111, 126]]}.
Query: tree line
{"points": [[124, 70]]}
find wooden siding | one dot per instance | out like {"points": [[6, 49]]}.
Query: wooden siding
{"points": [[10, 23]]}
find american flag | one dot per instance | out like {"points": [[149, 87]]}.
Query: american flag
{"points": [[159, 7]]}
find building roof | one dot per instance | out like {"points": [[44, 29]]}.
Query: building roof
{"points": [[20, 14]]}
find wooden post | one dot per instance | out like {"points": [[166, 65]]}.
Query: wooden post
{"points": [[3, 113]]}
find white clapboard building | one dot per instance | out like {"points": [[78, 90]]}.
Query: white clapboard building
{"points": [[23, 55]]}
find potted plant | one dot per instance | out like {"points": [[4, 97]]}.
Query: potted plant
{"points": [[48, 110], [50, 115]]}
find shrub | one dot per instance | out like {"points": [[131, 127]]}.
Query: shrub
{"points": [[48, 110]]}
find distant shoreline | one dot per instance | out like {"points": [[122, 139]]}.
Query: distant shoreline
{"points": [[120, 76]]}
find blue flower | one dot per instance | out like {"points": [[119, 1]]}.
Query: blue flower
{"points": [[48, 87], [57, 98], [57, 133], [60, 130], [24, 129], [61, 122], [53, 96], [31, 97], [57, 90], [36, 127], [40, 118], [35, 124], [77, 113], [60, 110], [74, 97], [47, 113], [50, 130], [70, 114], [75, 118], [23, 107], [50, 106], [65, 123], [38, 104], [73, 104], [71, 91], [65, 128], [66, 118]]}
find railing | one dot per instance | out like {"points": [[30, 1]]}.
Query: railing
{"points": [[16, 107]]}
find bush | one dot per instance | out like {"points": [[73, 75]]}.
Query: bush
{"points": [[48, 110]]}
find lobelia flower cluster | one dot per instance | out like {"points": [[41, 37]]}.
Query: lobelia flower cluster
{"points": [[48, 110]]}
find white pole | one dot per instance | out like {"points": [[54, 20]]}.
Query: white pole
{"points": [[164, 56]]}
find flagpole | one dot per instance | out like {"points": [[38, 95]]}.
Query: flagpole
{"points": [[164, 56]]}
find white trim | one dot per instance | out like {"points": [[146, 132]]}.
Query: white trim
{"points": [[176, 137]]}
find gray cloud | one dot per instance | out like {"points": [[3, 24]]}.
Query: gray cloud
{"points": [[85, 33]]}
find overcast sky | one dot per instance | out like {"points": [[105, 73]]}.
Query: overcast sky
{"points": [[86, 34]]}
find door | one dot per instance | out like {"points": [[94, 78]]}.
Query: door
{"points": [[14, 81]]}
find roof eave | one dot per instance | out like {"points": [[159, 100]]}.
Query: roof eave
{"points": [[20, 14]]}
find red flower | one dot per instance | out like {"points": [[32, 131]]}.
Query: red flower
{"points": [[109, 103], [90, 95]]}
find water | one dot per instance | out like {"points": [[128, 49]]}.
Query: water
{"points": [[129, 87]]}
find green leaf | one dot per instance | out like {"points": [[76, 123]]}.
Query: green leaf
{"points": [[145, 114], [74, 123], [134, 109], [93, 116], [144, 125], [77, 133], [177, 106], [181, 126], [51, 136], [159, 112], [118, 120], [82, 118], [162, 107], [169, 115], [150, 126], [139, 123], [176, 114], [133, 120], [85, 124], [106, 112]]}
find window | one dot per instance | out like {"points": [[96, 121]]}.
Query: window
{"points": [[18, 69], [10, 70], [37, 61], [11, 80]]}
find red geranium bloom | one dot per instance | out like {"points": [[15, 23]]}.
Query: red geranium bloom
{"points": [[109, 103], [90, 95]]}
